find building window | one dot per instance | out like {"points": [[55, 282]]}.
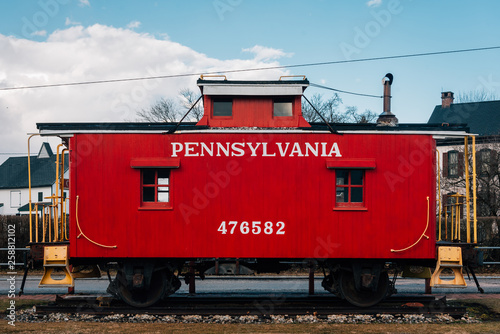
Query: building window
{"points": [[156, 186], [15, 199], [223, 108], [40, 196], [349, 188], [484, 159], [283, 108], [453, 164]]}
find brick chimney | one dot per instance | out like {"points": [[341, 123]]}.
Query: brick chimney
{"points": [[446, 99]]}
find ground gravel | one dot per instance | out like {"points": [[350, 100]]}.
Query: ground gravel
{"points": [[30, 316]]}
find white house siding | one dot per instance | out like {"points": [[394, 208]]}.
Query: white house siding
{"points": [[12, 208]]}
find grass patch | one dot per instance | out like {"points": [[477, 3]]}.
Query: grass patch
{"points": [[487, 309]]}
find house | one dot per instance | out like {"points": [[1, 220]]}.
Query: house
{"points": [[483, 119], [14, 194]]}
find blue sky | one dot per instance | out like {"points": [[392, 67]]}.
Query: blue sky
{"points": [[53, 41]]}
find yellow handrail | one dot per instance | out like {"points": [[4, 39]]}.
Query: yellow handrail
{"points": [[81, 232], [213, 76], [467, 185], [29, 185], [423, 233]]}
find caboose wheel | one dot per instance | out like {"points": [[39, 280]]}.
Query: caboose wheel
{"points": [[143, 297], [363, 298]]}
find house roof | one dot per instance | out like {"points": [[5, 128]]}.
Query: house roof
{"points": [[483, 118], [14, 171], [26, 207]]}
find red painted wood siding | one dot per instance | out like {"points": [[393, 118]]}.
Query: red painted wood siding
{"points": [[253, 112], [298, 191]]}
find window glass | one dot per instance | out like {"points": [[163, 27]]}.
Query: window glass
{"points": [[223, 108], [452, 164], [342, 177], [283, 108], [163, 176], [357, 177], [163, 196], [148, 176], [484, 159], [40, 196], [342, 195], [148, 194], [357, 195]]}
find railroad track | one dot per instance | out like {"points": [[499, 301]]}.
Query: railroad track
{"points": [[259, 306]]}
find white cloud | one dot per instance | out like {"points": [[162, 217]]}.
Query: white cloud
{"points": [[262, 53], [39, 33], [374, 3], [98, 52], [133, 24], [70, 22], [83, 3]]}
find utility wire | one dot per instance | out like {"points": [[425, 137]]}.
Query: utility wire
{"points": [[255, 69], [346, 92]]}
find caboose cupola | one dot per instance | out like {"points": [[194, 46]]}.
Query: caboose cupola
{"points": [[264, 104]]}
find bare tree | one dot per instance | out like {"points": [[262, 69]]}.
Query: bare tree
{"points": [[188, 98], [477, 95], [351, 115], [164, 110], [327, 108]]}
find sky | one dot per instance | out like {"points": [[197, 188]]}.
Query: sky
{"points": [[44, 42]]}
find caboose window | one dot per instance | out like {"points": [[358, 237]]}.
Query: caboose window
{"points": [[349, 187], [155, 187], [283, 108], [223, 108]]}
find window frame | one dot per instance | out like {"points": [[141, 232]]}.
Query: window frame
{"points": [[349, 205], [155, 205], [40, 196]]}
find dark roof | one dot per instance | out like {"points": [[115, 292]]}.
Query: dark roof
{"points": [[145, 127], [483, 118], [26, 207], [118, 126], [14, 172], [400, 127]]}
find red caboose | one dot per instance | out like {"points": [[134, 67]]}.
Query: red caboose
{"points": [[253, 181]]}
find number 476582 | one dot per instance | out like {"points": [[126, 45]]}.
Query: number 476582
{"points": [[255, 227]]}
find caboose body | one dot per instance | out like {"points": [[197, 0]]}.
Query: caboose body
{"points": [[252, 181]]}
